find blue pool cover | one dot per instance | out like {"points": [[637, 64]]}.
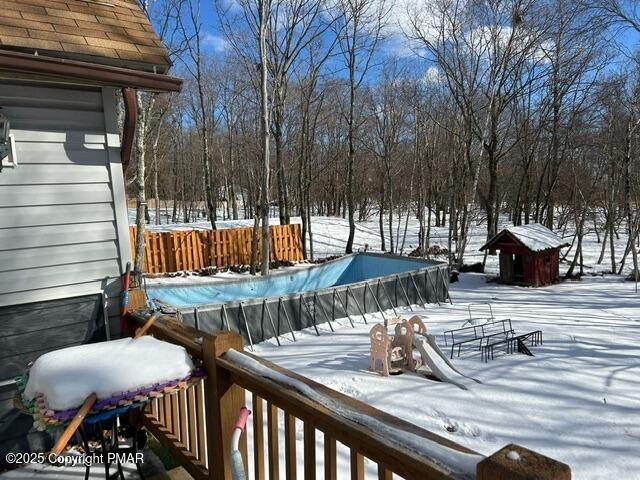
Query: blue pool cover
{"points": [[343, 271]]}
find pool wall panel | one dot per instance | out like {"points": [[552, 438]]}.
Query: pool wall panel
{"points": [[296, 312]]}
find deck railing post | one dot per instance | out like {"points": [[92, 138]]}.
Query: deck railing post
{"points": [[514, 462], [223, 400]]}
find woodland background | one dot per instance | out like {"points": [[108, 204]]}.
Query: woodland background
{"points": [[448, 112]]}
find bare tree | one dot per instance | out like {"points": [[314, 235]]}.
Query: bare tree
{"points": [[293, 26], [311, 102], [573, 67], [164, 14], [619, 12], [199, 69], [445, 30], [264, 18], [389, 112], [359, 26]]}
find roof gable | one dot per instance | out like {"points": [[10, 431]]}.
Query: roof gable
{"points": [[534, 237], [106, 32]]}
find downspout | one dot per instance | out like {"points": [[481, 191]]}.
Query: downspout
{"points": [[128, 134], [129, 127]]}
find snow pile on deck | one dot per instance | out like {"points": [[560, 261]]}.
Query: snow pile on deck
{"points": [[67, 377]]}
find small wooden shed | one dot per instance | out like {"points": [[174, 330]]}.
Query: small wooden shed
{"points": [[529, 255]]}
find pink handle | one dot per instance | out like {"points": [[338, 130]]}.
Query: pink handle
{"points": [[242, 419]]}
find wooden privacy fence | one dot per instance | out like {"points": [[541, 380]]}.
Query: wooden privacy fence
{"points": [[174, 251], [196, 425]]}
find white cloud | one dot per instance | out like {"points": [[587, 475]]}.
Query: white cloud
{"points": [[433, 75], [398, 45], [404, 15], [217, 43]]}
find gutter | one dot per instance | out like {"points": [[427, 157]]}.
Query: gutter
{"points": [[96, 74]]}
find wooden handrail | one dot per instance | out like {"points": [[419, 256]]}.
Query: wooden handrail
{"points": [[374, 445], [231, 372]]}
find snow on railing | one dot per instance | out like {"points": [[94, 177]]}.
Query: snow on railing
{"points": [[197, 426], [381, 431]]}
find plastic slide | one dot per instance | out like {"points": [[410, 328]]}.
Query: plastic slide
{"points": [[438, 362]]}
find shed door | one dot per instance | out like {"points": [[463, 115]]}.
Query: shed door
{"points": [[518, 267], [548, 276], [506, 267]]}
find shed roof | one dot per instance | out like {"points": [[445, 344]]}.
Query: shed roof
{"points": [[534, 237], [106, 32]]}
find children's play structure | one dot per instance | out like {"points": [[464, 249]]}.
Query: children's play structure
{"points": [[394, 354]]}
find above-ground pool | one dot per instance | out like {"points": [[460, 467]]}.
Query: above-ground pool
{"points": [[281, 303]]}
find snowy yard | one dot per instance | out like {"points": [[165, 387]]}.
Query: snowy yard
{"points": [[330, 238], [576, 400]]}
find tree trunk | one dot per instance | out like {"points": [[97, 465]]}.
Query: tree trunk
{"points": [[578, 254], [301, 186], [383, 245], [604, 243], [141, 195], [612, 247], [283, 197], [352, 154], [232, 190], [264, 133], [392, 245], [309, 229], [156, 193], [255, 235], [174, 214], [627, 195]]}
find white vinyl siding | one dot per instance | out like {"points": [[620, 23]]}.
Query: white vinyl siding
{"points": [[63, 194], [62, 213]]}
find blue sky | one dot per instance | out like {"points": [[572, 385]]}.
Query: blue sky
{"points": [[215, 43]]}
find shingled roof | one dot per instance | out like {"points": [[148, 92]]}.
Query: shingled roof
{"points": [[107, 32], [533, 236]]}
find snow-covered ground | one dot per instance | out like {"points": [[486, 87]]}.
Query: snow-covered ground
{"points": [[330, 238], [577, 400]]}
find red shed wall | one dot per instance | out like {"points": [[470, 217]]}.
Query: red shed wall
{"points": [[539, 268], [542, 268], [509, 248]]}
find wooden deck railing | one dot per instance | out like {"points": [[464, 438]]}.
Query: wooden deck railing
{"points": [[175, 251], [196, 425], [179, 420]]}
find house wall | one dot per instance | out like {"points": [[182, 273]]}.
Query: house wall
{"points": [[63, 222]]}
